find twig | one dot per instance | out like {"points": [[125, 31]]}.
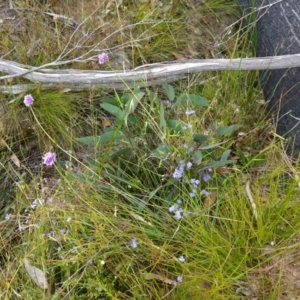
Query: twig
{"points": [[248, 192]]}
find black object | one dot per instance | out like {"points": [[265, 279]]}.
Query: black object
{"points": [[278, 33]]}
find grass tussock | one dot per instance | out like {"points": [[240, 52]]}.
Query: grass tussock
{"points": [[171, 192]]}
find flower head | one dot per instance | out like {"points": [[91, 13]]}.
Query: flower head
{"points": [[181, 258], [133, 243], [179, 172], [28, 100], [189, 165], [178, 280], [173, 208], [49, 158], [205, 176], [102, 58], [7, 217], [177, 214], [204, 192], [189, 112], [194, 182]]}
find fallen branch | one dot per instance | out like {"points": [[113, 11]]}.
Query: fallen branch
{"points": [[145, 75]]}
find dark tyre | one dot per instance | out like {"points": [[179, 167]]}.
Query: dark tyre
{"points": [[278, 33]]}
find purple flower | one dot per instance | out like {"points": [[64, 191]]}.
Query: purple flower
{"points": [[181, 258], [189, 165], [28, 100], [177, 214], [205, 176], [193, 193], [179, 172], [102, 58], [34, 204], [7, 217], [204, 192], [178, 280], [189, 112], [173, 208], [49, 158], [133, 243], [194, 182]]}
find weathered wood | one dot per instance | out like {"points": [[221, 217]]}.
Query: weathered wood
{"points": [[143, 75]]}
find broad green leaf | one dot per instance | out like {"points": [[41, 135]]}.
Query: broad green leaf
{"points": [[132, 120], [125, 97], [197, 157], [225, 155], [217, 164], [122, 152], [175, 125], [88, 140], [196, 100], [199, 138], [132, 103], [114, 110], [112, 101], [212, 146], [153, 97], [161, 151], [110, 136], [191, 99], [169, 90], [224, 130]]}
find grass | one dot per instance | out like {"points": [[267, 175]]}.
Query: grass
{"points": [[113, 181]]}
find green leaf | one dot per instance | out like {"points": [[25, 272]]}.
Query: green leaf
{"points": [[112, 109], [122, 152], [212, 146], [112, 101], [217, 164], [225, 155], [88, 140], [132, 103], [198, 100], [197, 157], [99, 141], [224, 130], [132, 120], [125, 97], [110, 136], [175, 125], [161, 151], [199, 138], [153, 97], [169, 90], [191, 99]]}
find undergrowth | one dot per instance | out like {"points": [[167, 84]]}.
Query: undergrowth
{"points": [[171, 192]]}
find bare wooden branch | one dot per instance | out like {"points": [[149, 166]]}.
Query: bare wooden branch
{"points": [[145, 75]]}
